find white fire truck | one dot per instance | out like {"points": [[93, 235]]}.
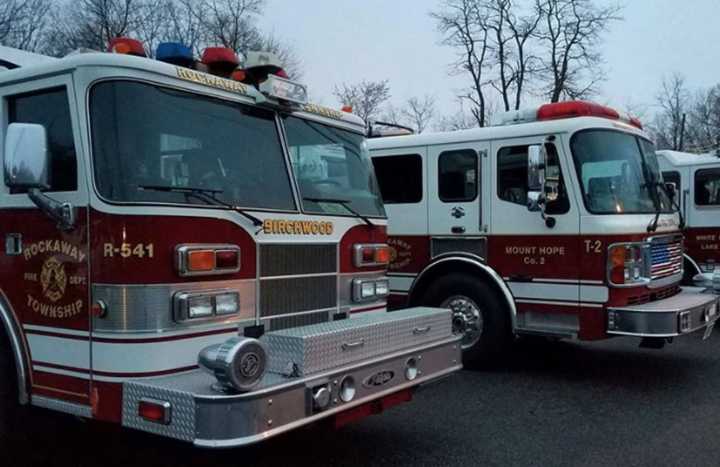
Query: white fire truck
{"points": [[555, 223], [193, 256], [697, 181]]}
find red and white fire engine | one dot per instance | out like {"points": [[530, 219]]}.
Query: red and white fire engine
{"points": [[696, 178], [554, 222], [188, 254]]}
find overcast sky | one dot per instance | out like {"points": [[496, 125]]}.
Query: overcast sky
{"points": [[350, 40]]}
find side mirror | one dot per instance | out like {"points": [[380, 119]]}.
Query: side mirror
{"points": [[671, 189], [27, 166], [536, 176], [27, 158]]}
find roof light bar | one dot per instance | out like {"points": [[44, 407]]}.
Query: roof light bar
{"points": [[568, 109]]}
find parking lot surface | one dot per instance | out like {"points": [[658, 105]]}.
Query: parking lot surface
{"points": [[552, 403]]}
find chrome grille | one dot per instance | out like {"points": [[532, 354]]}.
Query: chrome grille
{"points": [[295, 281], [290, 260], [297, 294], [304, 319], [666, 257]]}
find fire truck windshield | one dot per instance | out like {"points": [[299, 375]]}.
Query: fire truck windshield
{"points": [[148, 136], [619, 173], [332, 164]]}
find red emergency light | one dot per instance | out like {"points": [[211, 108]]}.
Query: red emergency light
{"points": [[127, 46], [220, 60]]}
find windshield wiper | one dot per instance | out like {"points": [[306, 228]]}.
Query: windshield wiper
{"points": [[207, 195], [342, 202]]}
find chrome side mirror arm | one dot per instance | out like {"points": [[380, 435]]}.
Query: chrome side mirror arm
{"points": [[62, 213]]}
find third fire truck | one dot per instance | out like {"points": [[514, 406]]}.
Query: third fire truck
{"points": [[696, 178], [555, 222]]}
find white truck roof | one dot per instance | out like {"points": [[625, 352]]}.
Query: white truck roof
{"points": [[508, 131], [685, 159], [15, 58]]}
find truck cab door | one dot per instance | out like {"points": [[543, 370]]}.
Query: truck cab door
{"points": [[44, 268], [454, 189], [536, 253]]}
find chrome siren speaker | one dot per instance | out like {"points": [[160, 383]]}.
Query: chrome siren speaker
{"points": [[238, 363]]}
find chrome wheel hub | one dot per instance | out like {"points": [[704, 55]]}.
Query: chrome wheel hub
{"points": [[467, 319]]}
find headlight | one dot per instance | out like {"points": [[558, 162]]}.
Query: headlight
{"points": [[370, 289], [628, 264], [708, 267], [205, 304], [238, 363]]}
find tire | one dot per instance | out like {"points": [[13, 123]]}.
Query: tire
{"points": [[461, 292]]}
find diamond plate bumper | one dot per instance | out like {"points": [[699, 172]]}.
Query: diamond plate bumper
{"points": [[208, 418], [684, 313]]}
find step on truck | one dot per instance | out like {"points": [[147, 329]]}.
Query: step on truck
{"points": [[696, 179], [196, 254], [555, 223]]}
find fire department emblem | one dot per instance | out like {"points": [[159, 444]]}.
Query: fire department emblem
{"points": [[53, 279]]}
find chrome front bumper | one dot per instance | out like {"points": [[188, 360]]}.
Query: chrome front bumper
{"points": [[689, 311], [207, 418]]}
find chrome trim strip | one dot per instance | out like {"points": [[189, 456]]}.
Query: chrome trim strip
{"points": [[19, 350], [70, 408], [149, 308]]}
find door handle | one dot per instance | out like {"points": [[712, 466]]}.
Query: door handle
{"points": [[419, 331], [457, 229]]}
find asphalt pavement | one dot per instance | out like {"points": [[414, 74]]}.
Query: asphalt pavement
{"points": [[551, 404]]}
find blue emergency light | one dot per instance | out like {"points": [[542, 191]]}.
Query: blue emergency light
{"points": [[174, 53]]}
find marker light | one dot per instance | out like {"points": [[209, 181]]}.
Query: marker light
{"points": [[202, 260], [372, 254], [238, 75], [127, 46], [347, 109], [155, 411], [174, 53], [220, 60]]}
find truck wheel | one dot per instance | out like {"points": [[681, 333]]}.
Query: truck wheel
{"points": [[477, 314]]}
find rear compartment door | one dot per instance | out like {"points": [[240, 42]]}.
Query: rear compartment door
{"points": [[455, 189]]}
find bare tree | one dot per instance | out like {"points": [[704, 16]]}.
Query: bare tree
{"points": [[460, 120], [703, 128], [419, 112], [674, 102], [569, 35], [464, 26], [90, 24], [366, 98], [22, 23]]}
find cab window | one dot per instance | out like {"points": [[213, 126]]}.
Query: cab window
{"points": [[512, 168], [400, 178], [707, 187], [51, 109], [457, 176]]}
